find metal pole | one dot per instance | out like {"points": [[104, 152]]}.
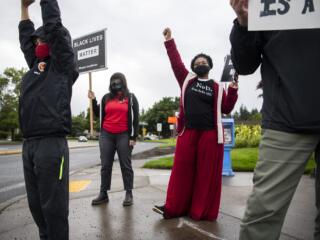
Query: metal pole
{"points": [[91, 112]]}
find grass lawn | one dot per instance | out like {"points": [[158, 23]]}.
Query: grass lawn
{"points": [[243, 159], [168, 142]]}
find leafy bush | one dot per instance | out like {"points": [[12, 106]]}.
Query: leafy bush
{"points": [[247, 136]]}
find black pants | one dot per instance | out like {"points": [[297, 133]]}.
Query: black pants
{"points": [[109, 144], [46, 173]]}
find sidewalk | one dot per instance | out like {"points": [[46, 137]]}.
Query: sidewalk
{"points": [[113, 221]]}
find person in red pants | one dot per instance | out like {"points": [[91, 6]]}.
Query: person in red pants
{"points": [[195, 183]]}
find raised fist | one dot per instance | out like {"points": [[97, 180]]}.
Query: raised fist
{"points": [[27, 3], [241, 9], [167, 34]]}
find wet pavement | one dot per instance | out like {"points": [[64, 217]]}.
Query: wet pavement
{"points": [[82, 156], [16, 148], [113, 221]]}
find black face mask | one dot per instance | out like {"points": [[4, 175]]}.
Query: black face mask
{"points": [[202, 70], [116, 87]]}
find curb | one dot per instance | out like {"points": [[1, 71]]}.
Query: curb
{"points": [[12, 152]]}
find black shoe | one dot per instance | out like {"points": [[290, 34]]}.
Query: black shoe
{"points": [[102, 198], [159, 209], [128, 200]]}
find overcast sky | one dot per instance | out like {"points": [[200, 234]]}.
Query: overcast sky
{"points": [[135, 43]]}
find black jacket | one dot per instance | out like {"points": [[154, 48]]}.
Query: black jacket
{"points": [[290, 75], [133, 113], [44, 104]]}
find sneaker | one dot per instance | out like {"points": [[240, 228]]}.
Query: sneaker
{"points": [[158, 209], [128, 200], [102, 198]]}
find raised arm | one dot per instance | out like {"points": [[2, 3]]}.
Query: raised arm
{"points": [[246, 46], [177, 65], [58, 37], [26, 28], [95, 105], [229, 99]]}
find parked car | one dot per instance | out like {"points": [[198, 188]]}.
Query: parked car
{"points": [[150, 136], [82, 139]]}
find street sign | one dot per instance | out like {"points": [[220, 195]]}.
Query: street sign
{"points": [[159, 127], [283, 14], [90, 52], [172, 119], [228, 71]]}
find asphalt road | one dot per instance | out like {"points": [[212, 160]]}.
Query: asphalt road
{"points": [[11, 168]]}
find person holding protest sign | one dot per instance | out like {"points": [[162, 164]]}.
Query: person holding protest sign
{"points": [[119, 117], [291, 118], [195, 183], [45, 117]]}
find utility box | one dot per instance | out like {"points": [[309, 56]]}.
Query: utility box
{"points": [[229, 142]]}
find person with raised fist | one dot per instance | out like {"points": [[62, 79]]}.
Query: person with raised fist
{"points": [[45, 117], [289, 61], [195, 183]]}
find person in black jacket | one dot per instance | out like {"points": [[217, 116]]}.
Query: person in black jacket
{"points": [[290, 118], [119, 119], [45, 117]]}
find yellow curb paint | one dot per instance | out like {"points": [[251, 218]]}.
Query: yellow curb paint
{"points": [[78, 186], [10, 152]]}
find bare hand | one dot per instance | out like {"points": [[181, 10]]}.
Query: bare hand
{"points": [[233, 85], [91, 95], [132, 143], [167, 34], [241, 9], [26, 3]]}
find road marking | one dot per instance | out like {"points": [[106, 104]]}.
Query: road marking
{"points": [[78, 186], [196, 228], [74, 186]]}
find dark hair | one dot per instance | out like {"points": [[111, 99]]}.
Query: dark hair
{"points": [[204, 56], [123, 79]]}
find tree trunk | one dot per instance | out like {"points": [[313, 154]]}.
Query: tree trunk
{"points": [[12, 135]]}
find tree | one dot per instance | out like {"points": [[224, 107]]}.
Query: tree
{"points": [[81, 122], [159, 113], [96, 121], [247, 116], [10, 82], [78, 124]]}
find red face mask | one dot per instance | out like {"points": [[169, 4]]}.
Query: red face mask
{"points": [[42, 51]]}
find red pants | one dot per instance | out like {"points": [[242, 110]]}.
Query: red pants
{"points": [[195, 183]]}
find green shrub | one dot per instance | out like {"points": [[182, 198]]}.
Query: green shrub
{"points": [[247, 136]]}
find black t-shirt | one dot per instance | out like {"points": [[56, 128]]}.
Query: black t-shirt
{"points": [[199, 105]]}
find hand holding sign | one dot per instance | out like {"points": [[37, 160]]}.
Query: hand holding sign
{"points": [[167, 34], [241, 9], [91, 95]]}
